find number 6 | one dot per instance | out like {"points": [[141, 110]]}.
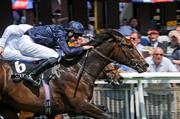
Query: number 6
{"points": [[20, 67]]}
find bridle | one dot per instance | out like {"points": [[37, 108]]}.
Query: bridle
{"points": [[131, 62]]}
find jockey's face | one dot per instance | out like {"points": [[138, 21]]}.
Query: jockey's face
{"points": [[73, 36], [80, 41]]}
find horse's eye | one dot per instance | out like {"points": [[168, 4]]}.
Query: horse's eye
{"points": [[130, 46], [126, 45], [122, 44]]}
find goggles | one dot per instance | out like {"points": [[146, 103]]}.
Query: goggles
{"points": [[71, 34]]}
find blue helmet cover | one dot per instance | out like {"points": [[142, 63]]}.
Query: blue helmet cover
{"points": [[75, 26]]}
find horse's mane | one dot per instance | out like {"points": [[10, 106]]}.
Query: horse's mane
{"points": [[104, 35], [100, 38]]}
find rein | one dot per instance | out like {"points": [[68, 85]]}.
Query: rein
{"points": [[80, 72], [100, 54]]}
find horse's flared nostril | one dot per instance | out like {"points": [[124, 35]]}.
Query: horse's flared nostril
{"points": [[146, 64]]}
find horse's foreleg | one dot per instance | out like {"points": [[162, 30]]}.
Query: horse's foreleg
{"points": [[102, 107], [58, 117], [30, 115], [93, 111], [54, 116]]}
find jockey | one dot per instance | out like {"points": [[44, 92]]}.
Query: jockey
{"points": [[40, 42]]}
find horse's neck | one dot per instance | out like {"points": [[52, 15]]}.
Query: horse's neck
{"points": [[95, 68], [94, 65]]}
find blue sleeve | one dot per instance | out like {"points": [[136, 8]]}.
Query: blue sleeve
{"points": [[69, 50], [174, 55]]}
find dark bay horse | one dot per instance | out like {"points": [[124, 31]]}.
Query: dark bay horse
{"points": [[109, 46]]}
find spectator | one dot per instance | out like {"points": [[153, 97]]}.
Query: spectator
{"points": [[90, 31], [153, 38], [16, 17], [175, 43], [124, 22], [152, 41], [126, 30], [136, 39], [158, 63]]}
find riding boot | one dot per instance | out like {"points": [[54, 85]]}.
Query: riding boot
{"points": [[40, 68]]}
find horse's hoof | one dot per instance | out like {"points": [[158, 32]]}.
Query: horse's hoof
{"points": [[108, 116], [1, 117], [103, 108]]}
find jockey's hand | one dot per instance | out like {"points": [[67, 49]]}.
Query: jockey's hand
{"points": [[86, 47], [1, 50]]}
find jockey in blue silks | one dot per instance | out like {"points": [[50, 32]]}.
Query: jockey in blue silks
{"points": [[40, 42]]}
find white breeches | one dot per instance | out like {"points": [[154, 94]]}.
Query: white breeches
{"points": [[23, 48], [13, 31], [28, 48]]}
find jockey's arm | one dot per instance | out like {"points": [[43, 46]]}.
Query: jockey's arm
{"points": [[69, 50], [72, 50]]}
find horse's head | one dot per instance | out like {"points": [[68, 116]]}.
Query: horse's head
{"points": [[121, 50]]}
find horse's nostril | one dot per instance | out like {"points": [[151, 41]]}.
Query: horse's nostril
{"points": [[146, 64]]}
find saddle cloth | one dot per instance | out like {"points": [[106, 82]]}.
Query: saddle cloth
{"points": [[21, 68]]}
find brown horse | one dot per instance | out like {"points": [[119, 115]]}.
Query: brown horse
{"points": [[110, 46]]}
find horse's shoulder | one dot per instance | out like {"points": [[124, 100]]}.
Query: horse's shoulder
{"points": [[5, 64]]}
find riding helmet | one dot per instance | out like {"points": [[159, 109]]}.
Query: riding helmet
{"points": [[75, 27]]}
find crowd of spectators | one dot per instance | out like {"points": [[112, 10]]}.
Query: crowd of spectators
{"points": [[161, 52]]}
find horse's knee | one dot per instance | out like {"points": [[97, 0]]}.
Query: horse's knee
{"points": [[26, 115], [58, 116]]}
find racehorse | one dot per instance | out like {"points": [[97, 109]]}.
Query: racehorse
{"points": [[110, 46]]}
